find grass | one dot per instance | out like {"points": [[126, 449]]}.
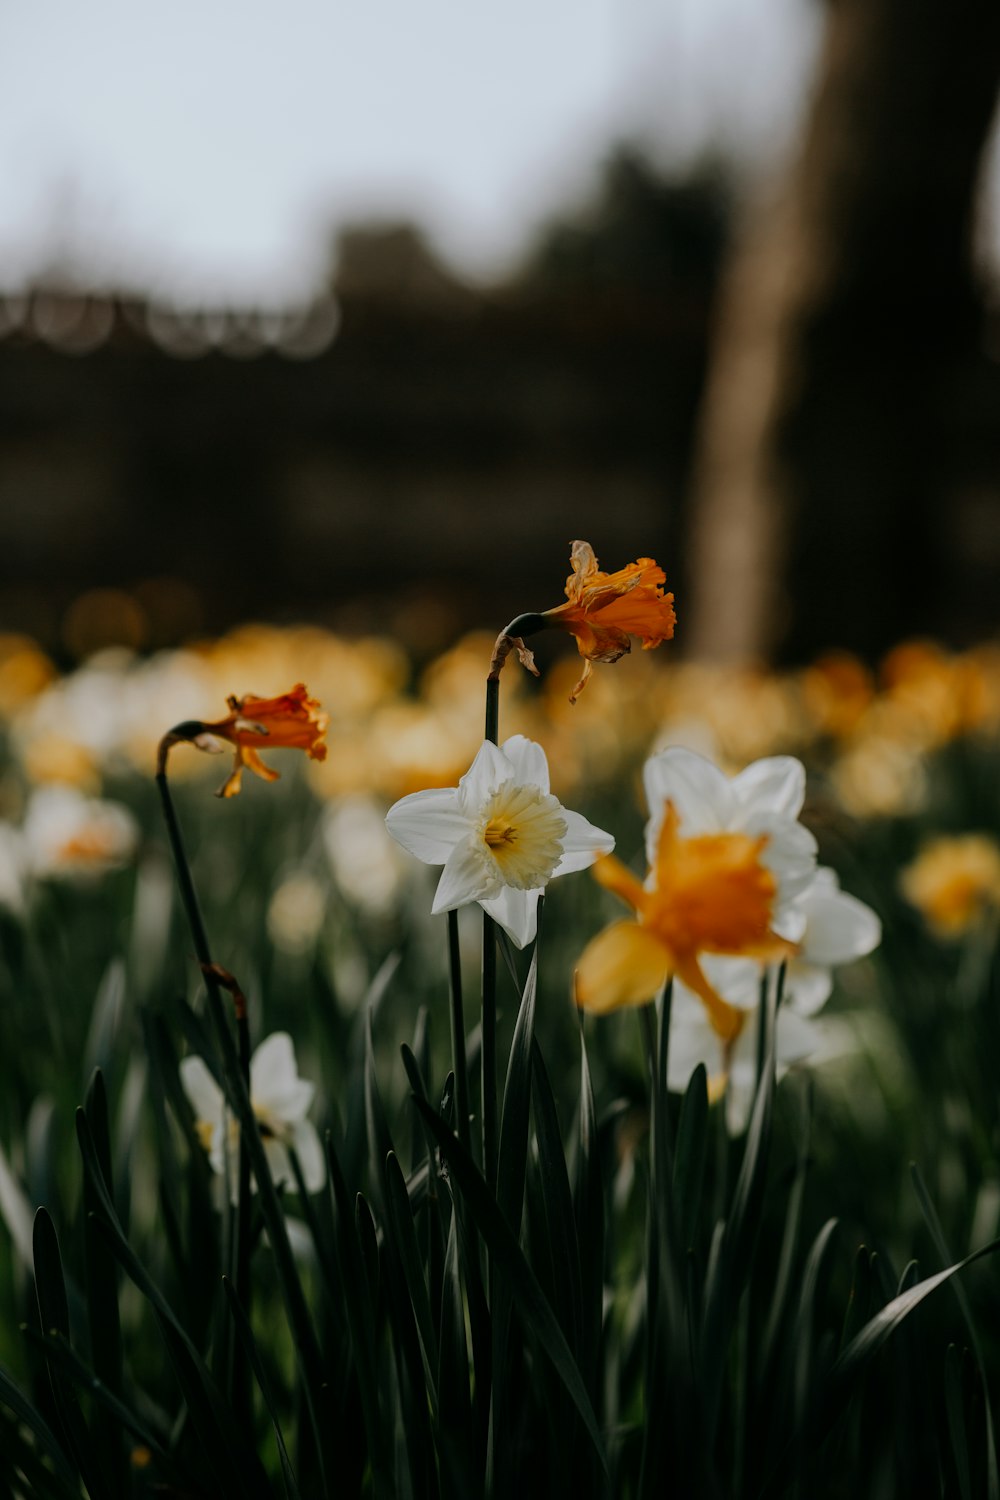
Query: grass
{"points": [[645, 1305]]}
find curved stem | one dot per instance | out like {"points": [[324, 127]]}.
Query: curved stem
{"points": [[306, 1342]]}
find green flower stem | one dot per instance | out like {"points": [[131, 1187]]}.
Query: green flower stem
{"points": [[458, 1033], [241, 1269], [242, 1398], [489, 1051], [489, 1012], [306, 1344], [647, 1021]]}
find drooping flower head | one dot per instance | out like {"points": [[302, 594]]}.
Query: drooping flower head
{"points": [[292, 721], [604, 610], [500, 834], [280, 1099], [711, 893]]}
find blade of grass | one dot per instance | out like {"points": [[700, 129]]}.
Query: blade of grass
{"points": [[528, 1295], [588, 1206], [941, 1245], [53, 1315], [224, 1446], [245, 1333], [57, 1348], [101, 1271], [954, 1407], [361, 1319], [511, 1168], [16, 1401]]}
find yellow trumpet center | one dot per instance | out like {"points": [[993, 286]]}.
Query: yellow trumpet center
{"points": [[522, 829]]}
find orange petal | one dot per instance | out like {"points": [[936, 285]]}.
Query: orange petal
{"points": [[727, 1021], [624, 965], [234, 781], [614, 876], [254, 763]]}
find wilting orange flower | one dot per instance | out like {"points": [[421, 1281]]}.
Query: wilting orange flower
{"points": [[291, 722], [604, 609], [709, 894]]}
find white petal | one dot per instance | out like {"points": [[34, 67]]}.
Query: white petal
{"points": [[290, 1104], [790, 853], [791, 921], [807, 987], [428, 824], [839, 928], [776, 784], [581, 842], [217, 1163], [273, 1065], [692, 1041], [699, 791], [277, 1160], [736, 979], [516, 912], [797, 1036], [202, 1090], [470, 874], [310, 1154], [796, 1039], [528, 760], [488, 771], [739, 1100]]}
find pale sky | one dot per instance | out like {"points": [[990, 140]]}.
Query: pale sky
{"points": [[205, 148]]}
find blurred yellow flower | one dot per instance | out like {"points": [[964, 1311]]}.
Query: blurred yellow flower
{"points": [[879, 777], [50, 757], [836, 690], [708, 894], [25, 671], [954, 881], [604, 609]]}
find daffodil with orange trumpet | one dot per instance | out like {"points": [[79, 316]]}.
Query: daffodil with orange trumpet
{"points": [[711, 893]]}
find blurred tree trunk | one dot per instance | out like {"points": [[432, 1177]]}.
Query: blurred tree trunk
{"points": [[848, 310]]}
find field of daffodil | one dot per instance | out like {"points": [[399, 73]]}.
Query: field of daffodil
{"points": [[602, 1105]]}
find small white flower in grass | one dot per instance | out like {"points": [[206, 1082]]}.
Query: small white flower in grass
{"points": [[280, 1099], [66, 834], [765, 798], [500, 835]]}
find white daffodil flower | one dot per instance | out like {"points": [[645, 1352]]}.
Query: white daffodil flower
{"points": [[765, 798], [500, 835], [831, 928], [66, 834], [280, 1101]]}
